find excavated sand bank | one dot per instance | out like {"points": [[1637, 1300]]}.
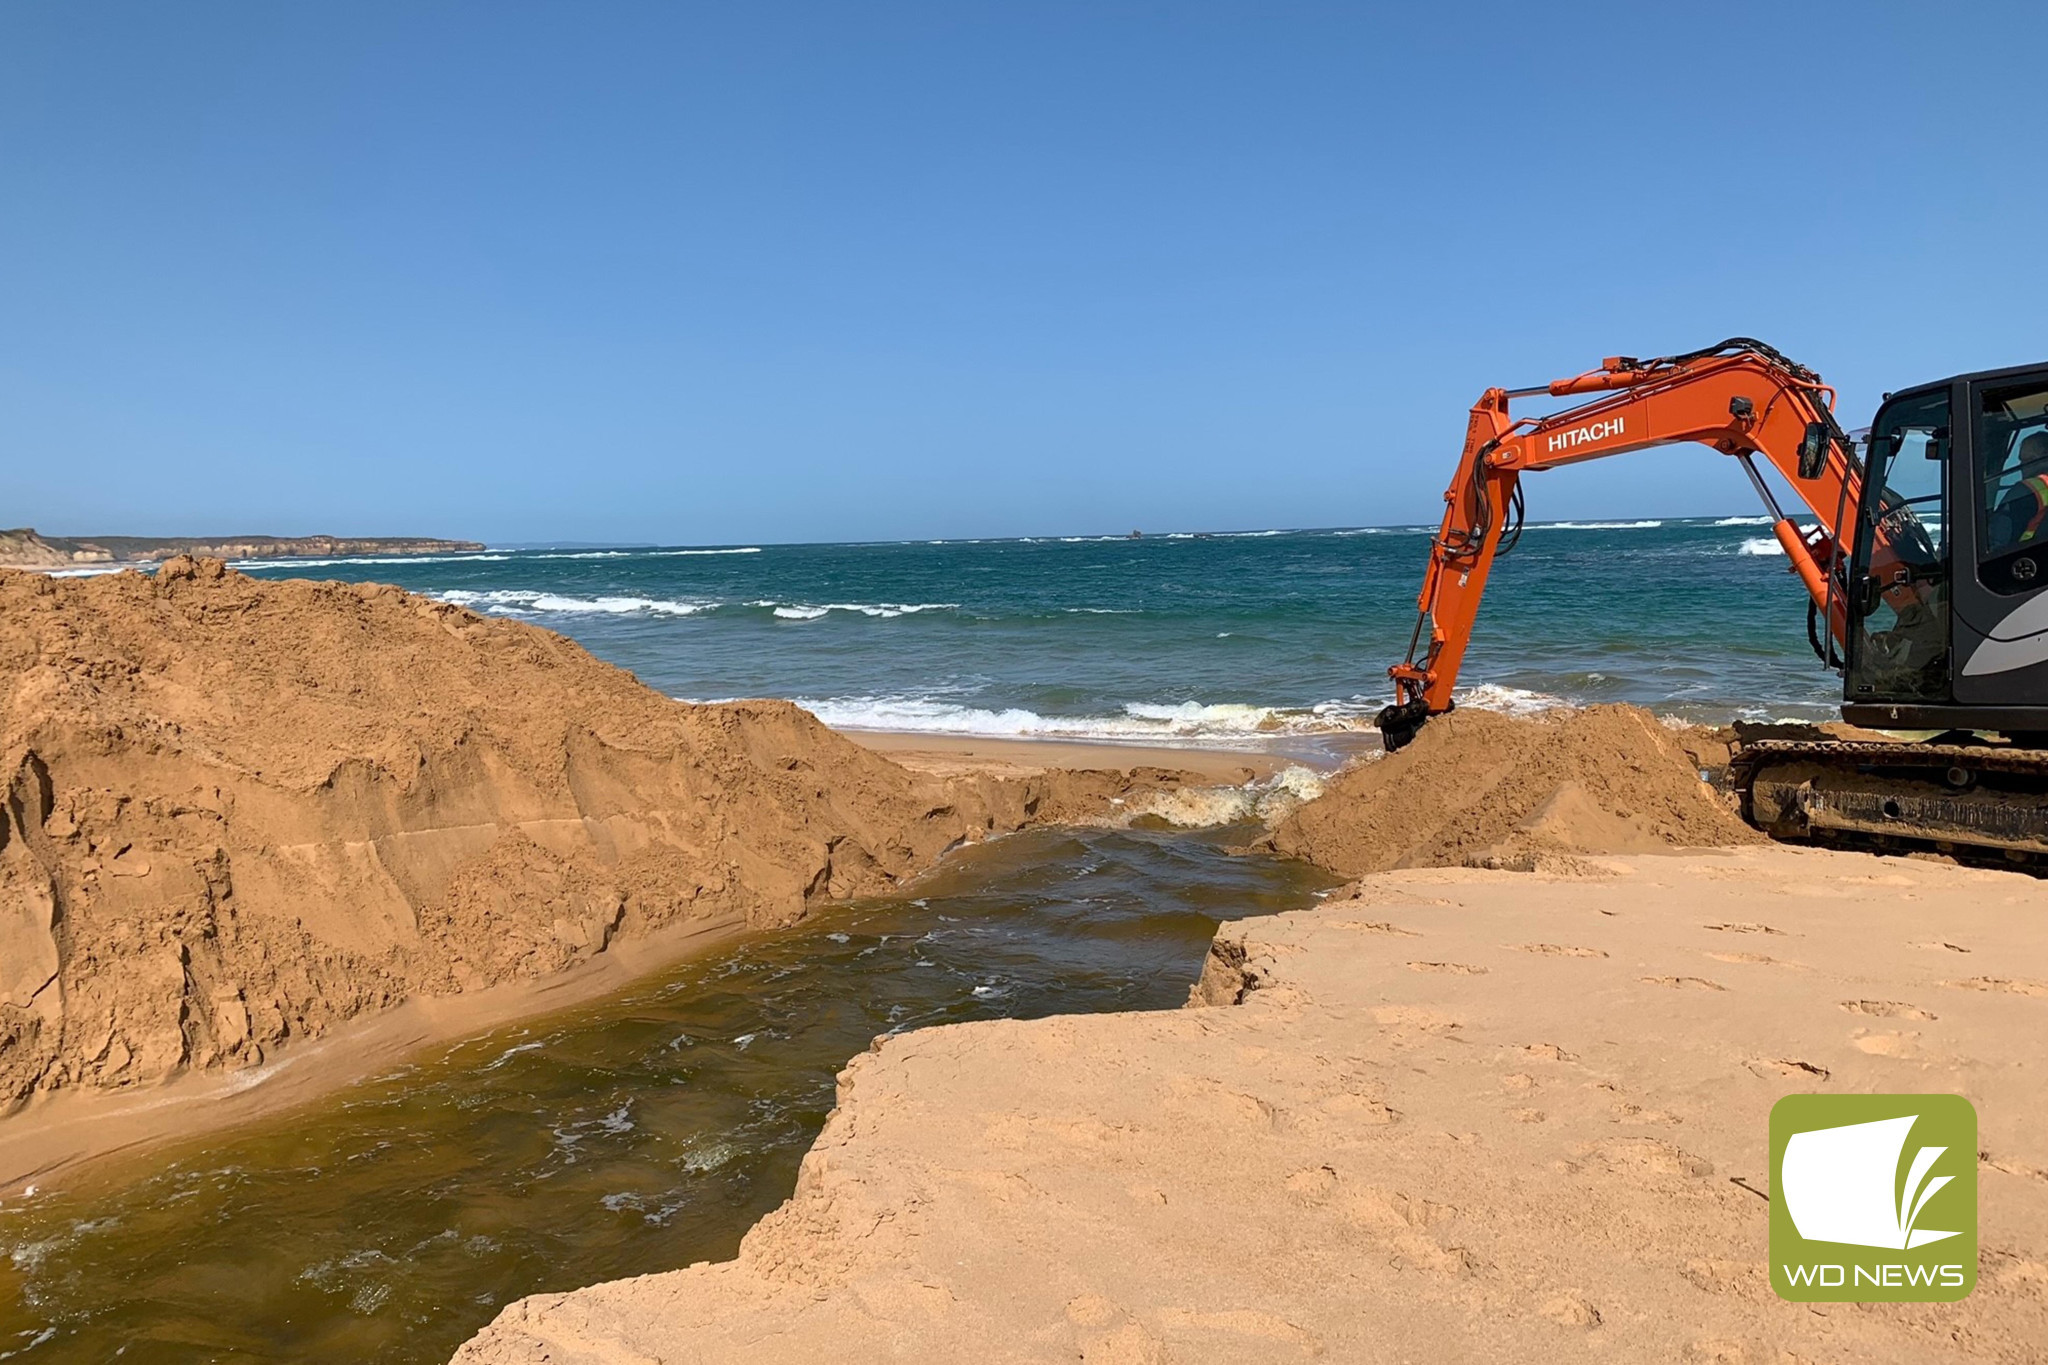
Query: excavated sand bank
{"points": [[1482, 789], [239, 813], [1467, 1115]]}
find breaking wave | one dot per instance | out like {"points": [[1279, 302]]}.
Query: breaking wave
{"points": [[519, 602], [1513, 701], [798, 611], [1219, 725], [1594, 525], [283, 562]]}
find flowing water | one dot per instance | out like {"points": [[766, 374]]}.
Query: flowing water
{"points": [[643, 1133]]}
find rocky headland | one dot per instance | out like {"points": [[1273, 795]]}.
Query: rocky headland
{"points": [[23, 548]]}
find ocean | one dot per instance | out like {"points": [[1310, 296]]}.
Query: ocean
{"points": [[1227, 640]]}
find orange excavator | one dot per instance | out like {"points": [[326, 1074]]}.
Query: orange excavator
{"points": [[1926, 569]]}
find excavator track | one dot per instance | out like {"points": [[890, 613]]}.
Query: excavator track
{"points": [[1981, 802]]}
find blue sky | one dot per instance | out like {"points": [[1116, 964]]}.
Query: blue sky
{"points": [[720, 273]]}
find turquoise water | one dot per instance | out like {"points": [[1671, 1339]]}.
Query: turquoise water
{"points": [[1212, 639]]}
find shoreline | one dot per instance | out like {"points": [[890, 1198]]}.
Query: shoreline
{"points": [[947, 754]]}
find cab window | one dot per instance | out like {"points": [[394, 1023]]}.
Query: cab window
{"points": [[1898, 638], [2012, 500]]}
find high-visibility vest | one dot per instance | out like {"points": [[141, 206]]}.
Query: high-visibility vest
{"points": [[2038, 486]]}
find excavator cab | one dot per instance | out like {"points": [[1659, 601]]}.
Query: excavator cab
{"points": [[1947, 586]]}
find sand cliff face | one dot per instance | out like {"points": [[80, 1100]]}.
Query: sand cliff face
{"points": [[23, 548], [240, 812]]}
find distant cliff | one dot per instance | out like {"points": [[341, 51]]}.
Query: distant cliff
{"points": [[23, 548]]}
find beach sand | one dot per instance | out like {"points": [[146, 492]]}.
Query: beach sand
{"points": [[1459, 1114]]}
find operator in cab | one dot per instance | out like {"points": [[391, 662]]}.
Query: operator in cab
{"points": [[2021, 516]]}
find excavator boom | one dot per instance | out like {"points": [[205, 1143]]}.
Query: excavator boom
{"points": [[1741, 398]]}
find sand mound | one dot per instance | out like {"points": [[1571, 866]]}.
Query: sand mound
{"points": [[239, 812], [1481, 788]]}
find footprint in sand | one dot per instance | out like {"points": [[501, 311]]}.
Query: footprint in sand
{"points": [[1754, 959], [1569, 1310], [1767, 1067], [1887, 1044], [1717, 1276], [1941, 947], [1746, 929], [1648, 1156], [1558, 950], [1374, 927], [1239, 1322], [1624, 1112], [1887, 1009], [1998, 985], [1549, 1052], [1454, 968], [1682, 983]]}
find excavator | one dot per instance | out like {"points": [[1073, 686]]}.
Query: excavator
{"points": [[1925, 566]]}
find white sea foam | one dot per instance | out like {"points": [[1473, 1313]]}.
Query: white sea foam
{"points": [[522, 602], [635, 554], [1269, 801], [799, 611], [282, 562], [1223, 725], [509, 1053], [1744, 521], [1760, 545], [1513, 701], [1593, 525]]}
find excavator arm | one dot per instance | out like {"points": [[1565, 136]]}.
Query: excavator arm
{"points": [[1742, 398]]}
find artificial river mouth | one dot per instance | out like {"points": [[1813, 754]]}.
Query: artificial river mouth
{"points": [[390, 1221]]}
